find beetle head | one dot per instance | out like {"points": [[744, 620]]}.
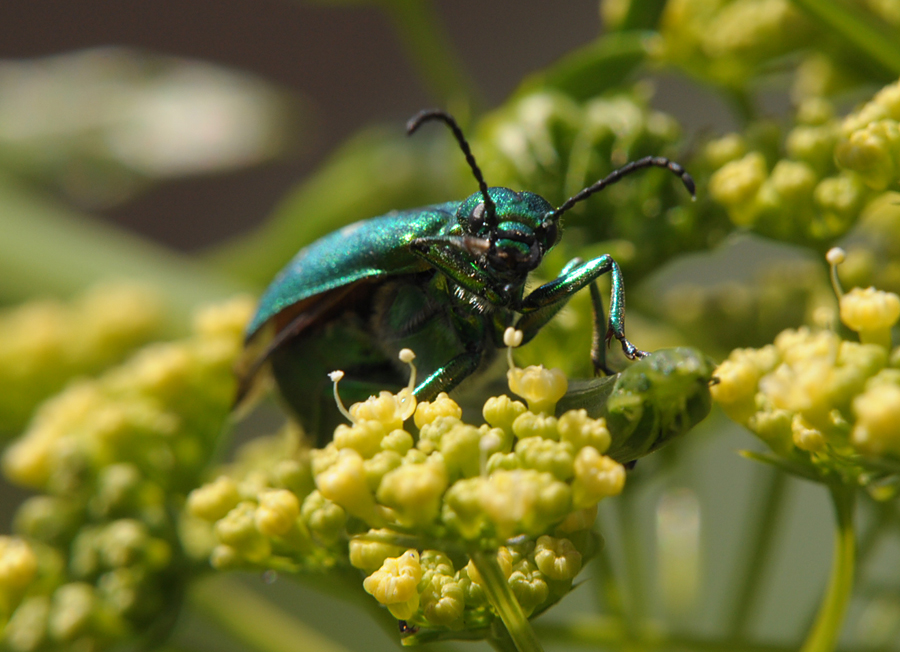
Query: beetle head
{"points": [[513, 239], [509, 231]]}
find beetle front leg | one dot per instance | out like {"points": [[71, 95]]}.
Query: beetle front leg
{"points": [[570, 281], [455, 256], [532, 322]]}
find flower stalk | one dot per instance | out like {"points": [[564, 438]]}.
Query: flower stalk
{"points": [[502, 599], [823, 636]]}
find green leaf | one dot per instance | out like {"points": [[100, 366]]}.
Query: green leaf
{"points": [[859, 30], [595, 68], [649, 403], [48, 249]]}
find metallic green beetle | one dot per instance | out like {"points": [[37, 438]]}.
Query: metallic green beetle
{"points": [[444, 281]]}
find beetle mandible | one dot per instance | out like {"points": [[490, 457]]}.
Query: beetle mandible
{"points": [[444, 280]]}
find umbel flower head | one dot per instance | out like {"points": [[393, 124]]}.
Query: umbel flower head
{"points": [[97, 558], [406, 490], [829, 405], [403, 472]]}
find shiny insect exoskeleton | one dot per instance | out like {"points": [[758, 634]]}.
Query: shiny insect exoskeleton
{"points": [[444, 281]]}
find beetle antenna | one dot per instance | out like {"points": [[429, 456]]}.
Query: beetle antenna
{"points": [[437, 114], [624, 171]]}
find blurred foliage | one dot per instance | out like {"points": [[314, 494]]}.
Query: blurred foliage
{"points": [[116, 397]]}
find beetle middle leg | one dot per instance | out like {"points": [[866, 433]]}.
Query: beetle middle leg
{"points": [[545, 301], [448, 376]]}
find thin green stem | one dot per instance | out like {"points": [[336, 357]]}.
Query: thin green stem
{"points": [[504, 602], [608, 591], [253, 620], [825, 631], [632, 548], [758, 548]]}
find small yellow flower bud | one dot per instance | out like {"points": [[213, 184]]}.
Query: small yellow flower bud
{"points": [[877, 410], [443, 600], [238, 530], [501, 411], [805, 436], [556, 457], [735, 185], [835, 256], [325, 519], [397, 441], [793, 180], [596, 477], [577, 428], [725, 149], [370, 555], [18, 564], [225, 557], [441, 406], [26, 631], [277, 512], [530, 424], [345, 483], [395, 584], [415, 491], [72, 607], [212, 501], [872, 152], [364, 436], [871, 313], [524, 501], [541, 388], [557, 558], [384, 408], [813, 144], [738, 377]]}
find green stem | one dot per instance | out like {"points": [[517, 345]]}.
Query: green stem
{"points": [[504, 602], [825, 631], [633, 546], [609, 591], [610, 633], [253, 620], [759, 549]]}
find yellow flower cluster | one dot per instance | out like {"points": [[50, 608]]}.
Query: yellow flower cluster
{"points": [[870, 140], [728, 42], [45, 343], [813, 391], [800, 197], [113, 458], [525, 473], [832, 168]]}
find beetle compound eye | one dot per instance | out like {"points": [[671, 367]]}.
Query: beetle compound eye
{"points": [[550, 232], [476, 220]]}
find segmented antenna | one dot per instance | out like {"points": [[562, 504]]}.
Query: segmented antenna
{"points": [[436, 114], [624, 171]]}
